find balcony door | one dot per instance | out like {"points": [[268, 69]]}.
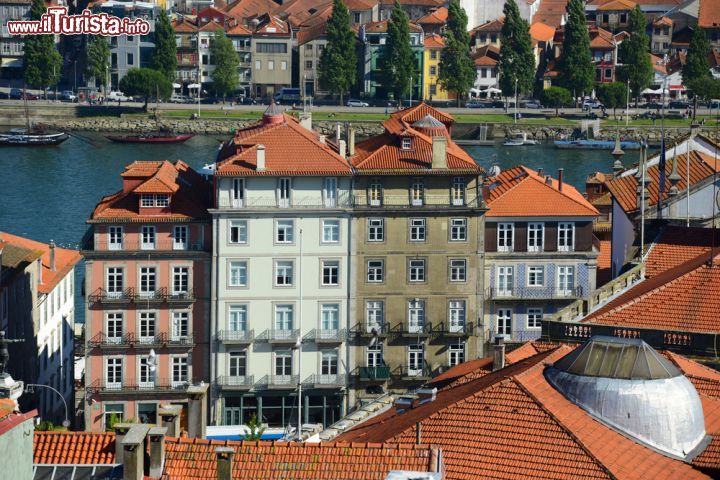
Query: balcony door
{"points": [[284, 319], [504, 321], [416, 316], [115, 238], [457, 316], [566, 280], [237, 194], [416, 359], [505, 281], [329, 367], [330, 192]]}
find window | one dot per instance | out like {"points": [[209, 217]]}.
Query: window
{"points": [[458, 191], [112, 411], [433, 70], [416, 270], [375, 271], [181, 278], [258, 65], [330, 272], [162, 200], [458, 229], [283, 363], [268, 47], [375, 194], [416, 359], [115, 282], [536, 234], [505, 281], [271, 64], [331, 231], [374, 314], [374, 355], [376, 230], [238, 273], [237, 193], [536, 276], [416, 315], [417, 229], [283, 65], [417, 192], [458, 270], [147, 200], [330, 192], [566, 237], [148, 238], [608, 73], [456, 316], [148, 281], [237, 318], [180, 237], [406, 143], [180, 325], [433, 54], [534, 317], [114, 327], [283, 273], [433, 89], [147, 327], [329, 316], [505, 235], [115, 238], [179, 371], [238, 364], [456, 354], [284, 192], [504, 321], [147, 376], [238, 231], [308, 47], [308, 64], [356, 18], [130, 59], [284, 231], [329, 363], [566, 280], [484, 72], [113, 372]]}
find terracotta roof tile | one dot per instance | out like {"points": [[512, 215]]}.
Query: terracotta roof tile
{"points": [[604, 262], [618, 5], [184, 26], [521, 192], [550, 12], [494, 25], [435, 17], [709, 14], [434, 40], [676, 245], [639, 2], [73, 448], [243, 9], [541, 32], [381, 27]]}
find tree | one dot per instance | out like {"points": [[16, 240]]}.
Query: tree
{"points": [[42, 62], [706, 89], [164, 58], [577, 72], [697, 66], [255, 428], [398, 59], [338, 62], [556, 97], [146, 83], [635, 55], [457, 69], [225, 76], [517, 62], [98, 60], [613, 95]]}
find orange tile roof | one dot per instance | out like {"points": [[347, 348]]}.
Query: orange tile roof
{"points": [[676, 245], [541, 32], [550, 12], [212, 26], [239, 29], [189, 190], [487, 56], [663, 21], [624, 188], [709, 14], [618, 5], [184, 26], [521, 192], [425, 3], [290, 149], [381, 27], [639, 2], [494, 25], [65, 259], [73, 448], [604, 262], [360, 4], [418, 112], [435, 17], [434, 40], [243, 9], [298, 11]]}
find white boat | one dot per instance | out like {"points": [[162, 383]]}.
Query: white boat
{"points": [[517, 139]]}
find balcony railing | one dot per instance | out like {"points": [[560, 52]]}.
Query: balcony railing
{"points": [[361, 199], [279, 382], [447, 330], [161, 385], [319, 335], [325, 381], [89, 243], [278, 336], [381, 373], [101, 340], [229, 382], [414, 372], [406, 330], [529, 293], [127, 295], [342, 200], [236, 336], [365, 330]]}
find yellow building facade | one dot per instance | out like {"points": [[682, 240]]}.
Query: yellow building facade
{"points": [[431, 69]]}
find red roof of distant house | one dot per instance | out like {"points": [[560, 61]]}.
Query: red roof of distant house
{"points": [[435, 17], [486, 56], [189, 190], [65, 259], [212, 26], [601, 38], [298, 11], [617, 5], [424, 3], [489, 26], [381, 27], [550, 12], [74, 448], [709, 14], [238, 29], [675, 246], [662, 21], [521, 192], [599, 3], [513, 424], [604, 263], [541, 32], [243, 9], [184, 26], [433, 40], [290, 149]]}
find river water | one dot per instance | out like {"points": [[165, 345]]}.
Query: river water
{"points": [[47, 193]]}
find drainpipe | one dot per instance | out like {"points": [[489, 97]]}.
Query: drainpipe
{"points": [[349, 303], [214, 309]]}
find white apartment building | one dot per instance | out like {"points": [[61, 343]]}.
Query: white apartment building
{"points": [[280, 278]]}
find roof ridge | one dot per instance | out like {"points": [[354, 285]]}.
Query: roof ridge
{"points": [[673, 359], [512, 187], [532, 173]]}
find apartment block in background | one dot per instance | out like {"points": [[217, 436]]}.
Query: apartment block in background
{"points": [[147, 280], [417, 237]]}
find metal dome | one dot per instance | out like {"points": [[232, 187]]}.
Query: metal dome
{"points": [[273, 114], [430, 126], [631, 388]]}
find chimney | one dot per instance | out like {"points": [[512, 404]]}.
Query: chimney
{"points": [[499, 353], [342, 149], [321, 138], [306, 120], [170, 418], [337, 133], [548, 180], [197, 410], [224, 462], [439, 152], [52, 255], [261, 158], [560, 179], [540, 171], [157, 450], [418, 433], [351, 141], [133, 446], [121, 430]]}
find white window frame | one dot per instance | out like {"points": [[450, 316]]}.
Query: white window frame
{"points": [[238, 318], [147, 200], [375, 194], [330, 230], [179, 321], [241, 278], [457, 270], [115, 237], [505, 237], [565, 229], [330, 191], [237, 192], [240, 227], [415, 359], [375, 273], [417, 270], [180, 237], [287, 226], [417, 192], [416, 315], [285, 265], [329, 365], [565, 279], [147, 274], [457, 192], [240, 360], [458, 229], [503, 321], [457, 315], [284, 192], [115, 273], [417, 229], [329, 317], [117, 362], [178, 361], [147, 233], [406, 143], [456, 354], [283, 360], [114, 318], [143, 369], [329, 265], [533, 271], [180, 278], [376, 230], [505, 280], [374, 315], [374, 355], [147, 326], [534, 312], [535, 237]]}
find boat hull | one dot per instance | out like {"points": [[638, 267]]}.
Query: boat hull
{"points": [[147, 139], [32, 140], [594, 145]]}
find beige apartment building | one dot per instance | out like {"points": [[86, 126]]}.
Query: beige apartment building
{"points": [[272, 55]]}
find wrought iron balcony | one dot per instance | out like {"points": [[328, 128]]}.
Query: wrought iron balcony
{"points": [[414, 372], [279, 382], [325, 381], [137, 341], [160, 385], [362, 199], [101, 295], [319, 335], [380, 372], [457, 331], [236, 337], [530, 293], [130, 295], [91, 244], [413, 331], [342, 200], [231, 382], [279, 336], [365, 330]]}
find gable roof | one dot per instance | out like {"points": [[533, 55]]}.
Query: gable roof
{"points": [[521, 192], [494, 25], [74, 448], [486, 56], [433, 40], [541, 32], [243, 9], [381, 27], [676, 245], [618, 5], [551, 12], [437, 16], [184, 26]]}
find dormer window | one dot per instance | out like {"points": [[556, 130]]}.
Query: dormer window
{"points": [[162, 200], [406, 143], [147, 200]]}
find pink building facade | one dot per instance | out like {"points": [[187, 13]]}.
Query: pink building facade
{"points": [[148, 254]]}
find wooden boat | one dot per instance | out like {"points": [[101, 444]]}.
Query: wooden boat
{"points": [[148, 138], [518, 139], [19, 137]]}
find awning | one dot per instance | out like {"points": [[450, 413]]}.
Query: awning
{"points": [[194, 86], [176, 85], [650, 91], [492, 90]]}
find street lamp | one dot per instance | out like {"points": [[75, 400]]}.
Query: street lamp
{"points": [[516, 101], [29, 389]]}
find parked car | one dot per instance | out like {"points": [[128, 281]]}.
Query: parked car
{"points": [[356, 103], [32, 96], [175, 98], [117, 97], [591, 104], [531, 104], [498, 104], [244, 100], [714, 104], [653, 105], [4, 96], [476, 104], [15, 93], [68, 95], [679, 104]]}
